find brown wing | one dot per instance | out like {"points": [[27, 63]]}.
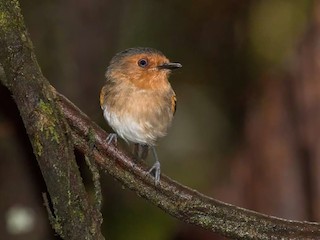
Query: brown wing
{"points": [[173, 104], [102, 96]]}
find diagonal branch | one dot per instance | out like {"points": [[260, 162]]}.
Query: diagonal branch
{"points": [[181, 202]]}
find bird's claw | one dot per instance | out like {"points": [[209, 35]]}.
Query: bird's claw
{"points": [[156, 169], [112, 137]]}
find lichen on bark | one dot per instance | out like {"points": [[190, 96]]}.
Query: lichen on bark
{"points": [[73, 215]]}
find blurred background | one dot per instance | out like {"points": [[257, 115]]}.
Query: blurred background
{"points": [[247, 126]]}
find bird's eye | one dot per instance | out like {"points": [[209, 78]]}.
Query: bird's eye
{"points": [[143, 62]]}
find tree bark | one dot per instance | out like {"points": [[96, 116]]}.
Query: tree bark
{"points": [[73, 216]]}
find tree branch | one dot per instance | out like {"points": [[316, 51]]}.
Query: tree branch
{"points": [[49, 133], [179, 201]]}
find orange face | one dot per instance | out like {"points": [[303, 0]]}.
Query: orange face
{"points": [[144, 70]]}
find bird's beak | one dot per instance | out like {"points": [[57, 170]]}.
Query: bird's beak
{"points": [[170, 65]]}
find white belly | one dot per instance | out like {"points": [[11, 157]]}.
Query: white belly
{"points": [[129, 128]]}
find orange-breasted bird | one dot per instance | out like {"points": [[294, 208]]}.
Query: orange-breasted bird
{"points": [[137, 99]]}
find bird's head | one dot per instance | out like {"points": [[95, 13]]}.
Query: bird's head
{"points": [[145, 68]]}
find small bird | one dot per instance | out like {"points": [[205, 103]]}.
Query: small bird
{"points": [[137, 99]]}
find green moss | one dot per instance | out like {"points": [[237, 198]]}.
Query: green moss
{"points": [[4, 20], [56, 225], [47, 121], [79, 216], [37, 146], [10, 20], [45, 107]]}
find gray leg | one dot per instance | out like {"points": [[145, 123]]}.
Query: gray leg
{"points": [[155, 167], [112, 137], [140, 151]]}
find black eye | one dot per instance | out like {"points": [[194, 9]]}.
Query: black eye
{"points": [[143, 62]]}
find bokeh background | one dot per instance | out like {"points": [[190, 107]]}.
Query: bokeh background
{"points": [[247, 126]]}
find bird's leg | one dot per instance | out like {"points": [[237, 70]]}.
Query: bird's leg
{"points": [[136, 148], [156, 166], [144, 152], [112, 137], [140, 151]]}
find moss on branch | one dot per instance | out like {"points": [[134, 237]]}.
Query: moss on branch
{"points": [[74, 216]]}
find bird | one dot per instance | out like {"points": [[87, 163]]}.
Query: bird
{"points": [[137, 99]]}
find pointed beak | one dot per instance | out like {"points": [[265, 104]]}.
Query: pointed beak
{"points": [[170, 65]]}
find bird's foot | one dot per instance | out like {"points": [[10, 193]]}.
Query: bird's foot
{"points": [[156, 169], [112, 138]]}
